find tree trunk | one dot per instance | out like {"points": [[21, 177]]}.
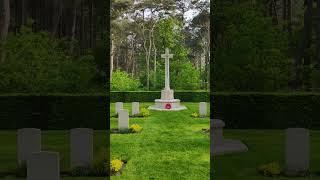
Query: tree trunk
{"points": [[318, 36], [147, 49], [290, 18], [56, 16], [74, 23], [5, 22], [111, 58], [307, 56], [155, 63], [303, 44]]}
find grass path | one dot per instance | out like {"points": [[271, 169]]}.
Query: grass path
{"points": [[171, 146]]}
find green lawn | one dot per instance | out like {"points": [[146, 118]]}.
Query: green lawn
{"points": [[171, 146], [264, 146], [57, 141]]}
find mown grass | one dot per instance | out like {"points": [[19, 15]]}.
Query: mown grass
{"points": [[170, 146], [265, 146]]}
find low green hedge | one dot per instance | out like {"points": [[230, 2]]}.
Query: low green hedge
{"points": [[58, 111], [267, 110], [238, 110], [150, 96]]}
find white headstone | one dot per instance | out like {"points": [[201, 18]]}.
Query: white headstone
{"points": [[203, 109], [81, 147], [123, 120], [135, 108], [297, 151], [119, 106], [43, 166], [216, 133], [219, 145], [28, 141]]}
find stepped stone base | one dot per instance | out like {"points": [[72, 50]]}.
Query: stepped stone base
{"points": [[167, 102], [167, 105]]}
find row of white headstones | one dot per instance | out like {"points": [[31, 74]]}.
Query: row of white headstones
{"points": [[123, 114], [45, 164]]}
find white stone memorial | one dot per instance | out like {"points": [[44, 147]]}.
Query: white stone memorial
{"points": [[81, 147], [297, 151], [43, 166], [135, 108], [219, 145], [119, 106], [28, 141], [123, 120], [167, 101], [203, 109]]}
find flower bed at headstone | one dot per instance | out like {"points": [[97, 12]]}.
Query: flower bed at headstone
{"points": [[144, 112], [135, 128], [116, 166], [271, 169]]}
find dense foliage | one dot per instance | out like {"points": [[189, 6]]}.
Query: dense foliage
{"points": [[52, 46], [250, 52], [121, 81], [265, 46], [37, 62]]}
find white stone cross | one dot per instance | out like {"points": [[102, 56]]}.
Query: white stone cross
{"points": [[167, 56]]}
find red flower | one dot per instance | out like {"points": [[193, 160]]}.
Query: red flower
{"points": [[168, 106]]}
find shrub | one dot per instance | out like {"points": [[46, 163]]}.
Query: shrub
{"points": [[135, 128], [144, 112], [116, 165], [37, 63], [81, 171], [121, 81], [271, 169], [195, 115], [251, 53], [100, 166]]}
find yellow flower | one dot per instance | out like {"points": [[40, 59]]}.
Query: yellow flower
{"points": [[135, 128], [195, 115], [271, 169], [116, 165]]}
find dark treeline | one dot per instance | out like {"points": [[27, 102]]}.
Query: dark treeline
{"points": [[270, 45], [76, 19], [53, 46]]}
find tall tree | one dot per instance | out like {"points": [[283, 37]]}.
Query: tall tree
{"points": [[4, 25], [302, 74]]}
